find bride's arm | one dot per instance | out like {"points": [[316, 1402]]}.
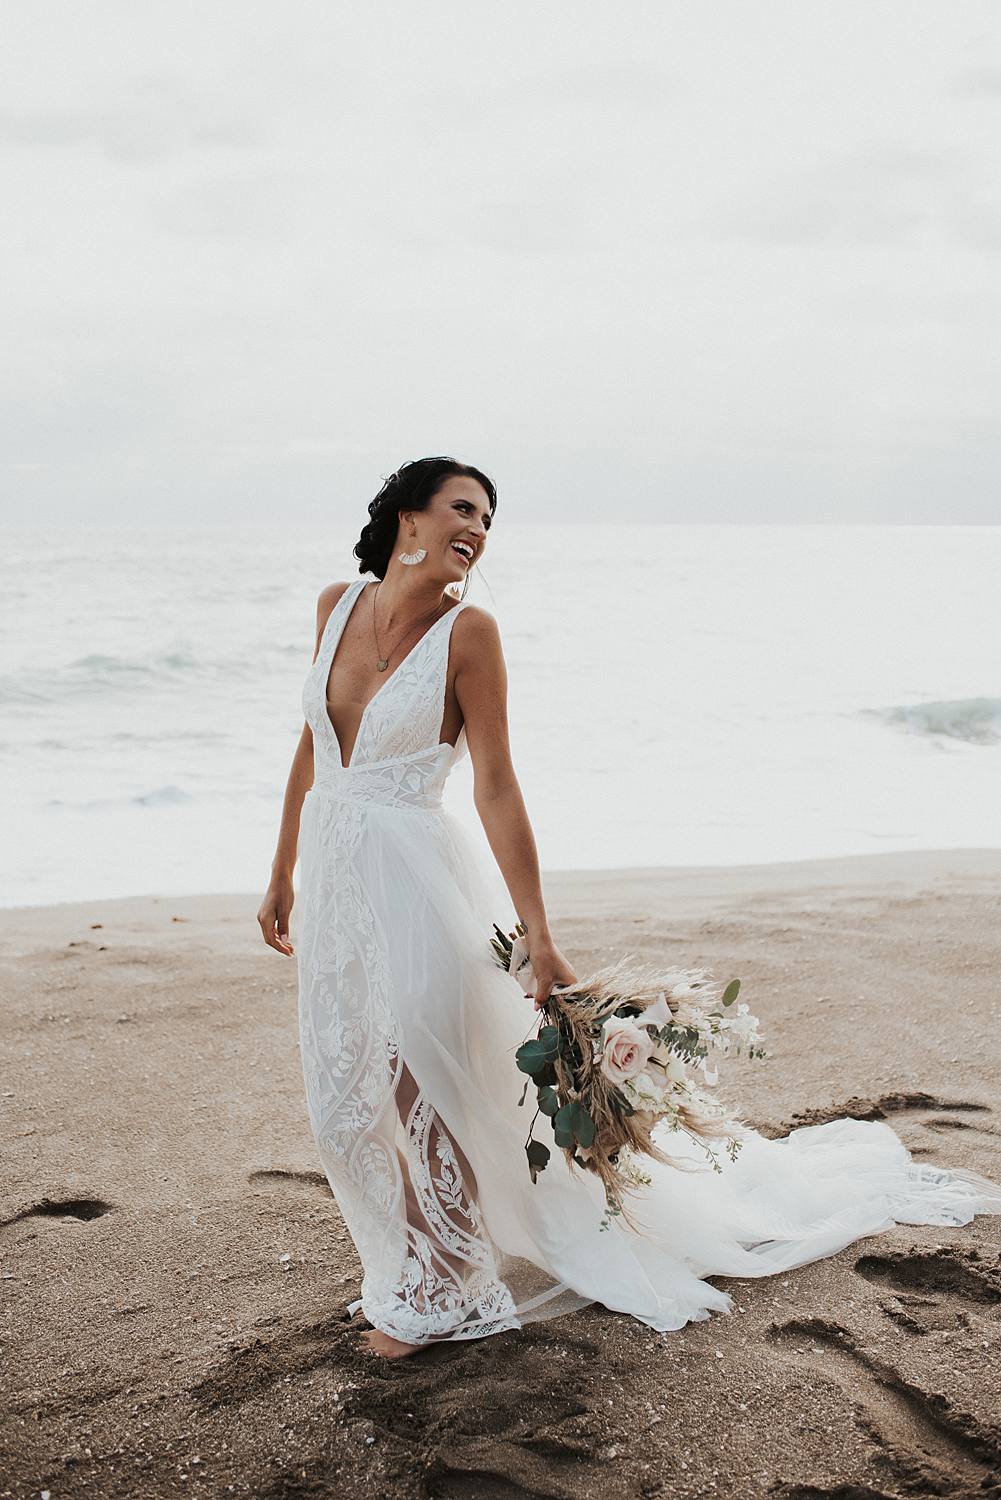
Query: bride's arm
{"points": [[276, 906], [481, 690], [277, 903]]}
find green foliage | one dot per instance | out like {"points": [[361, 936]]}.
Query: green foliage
{"points": [[562, 1134], [538, 1157], [684, 1040], [531, 1057], [549, 1101], [731, 992], [572, 1124], [534, 1056], [613, 1208], [581, 1124]]}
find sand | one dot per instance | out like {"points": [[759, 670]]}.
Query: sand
{"points": [[175, 1268]]}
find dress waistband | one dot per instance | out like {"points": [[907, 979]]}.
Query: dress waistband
{"points": [[404, 782]]}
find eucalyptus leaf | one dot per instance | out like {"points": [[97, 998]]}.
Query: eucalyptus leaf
{"points": [[581, 1124], [549, 1037], [538, 1157], [562, 1127], [532, 1056], [549, 1100], [731, 992]]}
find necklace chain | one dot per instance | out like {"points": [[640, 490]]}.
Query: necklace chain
{"points": [[382, 662]]}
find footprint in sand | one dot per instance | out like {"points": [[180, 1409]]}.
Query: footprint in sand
{"points": [[946, 1122], [927, 1111], [829, 1492], [942, 1112], [81, 1209], [492, 1427], [793, 1491], [925, 1443], [279, 1178], [259, 1366], [931, 1289]]}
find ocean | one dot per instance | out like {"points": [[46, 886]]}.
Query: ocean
{"points": [[677, 695]]}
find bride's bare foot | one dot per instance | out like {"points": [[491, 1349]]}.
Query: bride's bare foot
{"points": [[381, 1343]]}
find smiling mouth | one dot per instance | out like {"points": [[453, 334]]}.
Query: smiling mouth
{"points": [[466, 557]]}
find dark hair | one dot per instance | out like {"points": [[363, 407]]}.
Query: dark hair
{"points": [[412, 487]]}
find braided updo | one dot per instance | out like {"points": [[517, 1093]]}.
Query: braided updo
{"points": [[412, 487]]}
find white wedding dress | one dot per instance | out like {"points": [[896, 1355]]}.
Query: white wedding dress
{"points": [[408, 1031]]}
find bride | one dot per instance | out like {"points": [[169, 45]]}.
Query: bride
{"points": [[408, 1028]]}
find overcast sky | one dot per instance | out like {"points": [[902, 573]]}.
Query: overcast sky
{"points": [[726, 260]]}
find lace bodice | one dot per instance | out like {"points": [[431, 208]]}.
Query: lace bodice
{"points": [[397, 756]]}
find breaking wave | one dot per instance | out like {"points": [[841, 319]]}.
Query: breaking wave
{"points": [[975, 721]]}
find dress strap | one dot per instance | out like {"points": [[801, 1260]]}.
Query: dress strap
{"points": [[341, 609]]}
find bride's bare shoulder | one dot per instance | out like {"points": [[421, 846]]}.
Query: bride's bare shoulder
{"points": [[326, 602], [476, 630], [328, 598], [476, 618]]}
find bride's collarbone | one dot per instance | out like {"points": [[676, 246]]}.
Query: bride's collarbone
{"points": [[353, 672], [353, 680], [353, 675]]}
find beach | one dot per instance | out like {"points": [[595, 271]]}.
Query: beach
{"points": [[175, 1270]]}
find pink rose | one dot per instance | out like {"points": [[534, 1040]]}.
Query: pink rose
{"points": [[626, 1051]]}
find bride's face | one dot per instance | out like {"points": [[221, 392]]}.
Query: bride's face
{"points": [[459, 513]]}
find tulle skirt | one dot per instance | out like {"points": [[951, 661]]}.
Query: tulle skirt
{"points": [[408, 1031]]}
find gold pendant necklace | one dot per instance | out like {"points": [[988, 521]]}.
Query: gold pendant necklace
{"points": [[382, 662]]}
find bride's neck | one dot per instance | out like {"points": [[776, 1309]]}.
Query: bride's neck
{"points": [[403, 599]]}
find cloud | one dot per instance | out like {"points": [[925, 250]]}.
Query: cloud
{"points": [[153, 118], [249, 258], [601, 85], [884, 195], [262, 205], [977, 83]]}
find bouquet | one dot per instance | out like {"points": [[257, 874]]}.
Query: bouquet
{"points": [[628, 1049]]}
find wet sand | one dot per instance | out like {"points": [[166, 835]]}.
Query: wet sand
{"points": [[175, 1269]]}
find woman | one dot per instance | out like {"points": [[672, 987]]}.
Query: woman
{"points": [[408, 1028]]}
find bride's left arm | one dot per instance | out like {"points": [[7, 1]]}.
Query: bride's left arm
{"points": [[481, 690]]}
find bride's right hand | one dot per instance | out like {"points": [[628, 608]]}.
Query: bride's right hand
{"points": [[538, 965], [276, 908]]}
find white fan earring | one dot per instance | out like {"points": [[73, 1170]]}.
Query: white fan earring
{"points": [[409, 558]]}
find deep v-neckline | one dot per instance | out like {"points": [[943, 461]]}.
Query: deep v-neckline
{"points": [[338, 633]]}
